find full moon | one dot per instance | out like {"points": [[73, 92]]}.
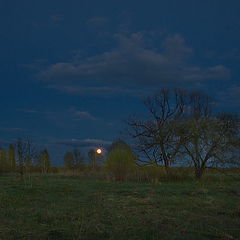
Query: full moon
{"points": [[99, 151]]}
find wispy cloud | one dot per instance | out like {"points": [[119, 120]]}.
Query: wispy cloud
{"points": [[97, 22], [84, 142], [230, 96], [52, 21], [14, 129], [71, 113], [28, 110], [57, 18], [81, 114], [99, 91]]}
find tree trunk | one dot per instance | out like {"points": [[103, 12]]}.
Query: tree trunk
{"points": [[199, 173], [166, 160]]}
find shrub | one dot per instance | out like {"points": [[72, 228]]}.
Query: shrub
{"points": [[120, 163]]}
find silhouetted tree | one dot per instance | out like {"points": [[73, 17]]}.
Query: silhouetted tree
{"points": [[159, 136]]}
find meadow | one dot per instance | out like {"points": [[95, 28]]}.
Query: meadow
{"points": [[83, 207]]}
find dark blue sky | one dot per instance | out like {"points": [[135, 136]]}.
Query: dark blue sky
{"points": [[71, 71]]}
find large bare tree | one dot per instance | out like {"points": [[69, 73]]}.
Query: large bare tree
{"points": [[159, 136]]}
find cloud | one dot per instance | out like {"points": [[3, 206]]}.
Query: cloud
{"points": [[100, 30], [99, 91], [84, 142], [97, 22], [79, 115], [133, 64], [56, 18], [29, 111], [218, 72], [12, 129], [52, 21], [229, 55], [71, 113], [230, 96]]}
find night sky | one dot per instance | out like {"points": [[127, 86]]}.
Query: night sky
{"points": [[72, 71]]}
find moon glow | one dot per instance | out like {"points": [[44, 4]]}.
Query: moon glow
{"points": [[99, 151]]}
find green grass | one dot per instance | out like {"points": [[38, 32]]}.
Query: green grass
{"points": [[65, 207]]}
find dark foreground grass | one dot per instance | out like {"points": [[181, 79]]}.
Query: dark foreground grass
{"points": [[64, 207]]}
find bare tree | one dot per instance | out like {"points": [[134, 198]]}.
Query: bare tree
{"points": [[92, 158], [44, 161], [160, 137], [78, 159], [209, 137], [182, 125], [228, 153], [69, 161], [26, 154]]}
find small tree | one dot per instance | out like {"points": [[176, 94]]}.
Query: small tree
{"points": [[44, 161], [92, 158], [11, 157], [119, 144], [26, 155], [3, 161], [120, 162], [69, 160], [78, 159], [228, 146]]}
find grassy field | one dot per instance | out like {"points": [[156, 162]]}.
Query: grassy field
{"points": [[65, 207]]}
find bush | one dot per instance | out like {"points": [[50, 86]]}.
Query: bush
{"points": [[120, 163]]}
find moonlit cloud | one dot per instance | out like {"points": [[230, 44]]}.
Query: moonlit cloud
{"points": [[84, 142], [133, 63], [79, 115]]}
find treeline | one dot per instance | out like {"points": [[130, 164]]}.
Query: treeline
{"points": [[7, 159], [121, 163], [75, 160], [23, 158]]}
